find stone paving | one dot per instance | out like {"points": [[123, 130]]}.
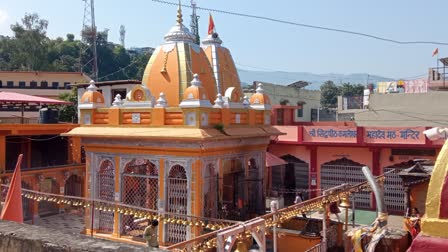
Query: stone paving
{"points": [[71, 222]]}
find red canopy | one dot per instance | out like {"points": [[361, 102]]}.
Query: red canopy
{"points": [[272, 160], [8, 97]]}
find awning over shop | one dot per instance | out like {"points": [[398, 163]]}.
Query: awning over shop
{"points": [[272, 160]]}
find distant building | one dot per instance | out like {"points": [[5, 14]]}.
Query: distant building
{"points": [[424, 109], [307, 101], [43, 84]]}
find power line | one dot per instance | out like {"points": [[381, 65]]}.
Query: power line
{"points": [[307, 25]]}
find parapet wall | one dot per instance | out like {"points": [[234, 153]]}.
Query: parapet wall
{"points": [[21, 237]]}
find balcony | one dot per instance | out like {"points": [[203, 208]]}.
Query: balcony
{"points": [[437, 77]]}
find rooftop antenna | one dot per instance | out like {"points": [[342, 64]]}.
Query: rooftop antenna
{"points": [[122, 35], [89, 31]]}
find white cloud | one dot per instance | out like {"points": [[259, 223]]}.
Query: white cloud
{"points": [[3, 16]]}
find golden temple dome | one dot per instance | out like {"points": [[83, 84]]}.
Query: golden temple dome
{"points": [[170, 68], [92, 96], [260, 100]]}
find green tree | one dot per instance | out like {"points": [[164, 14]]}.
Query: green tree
{"points": [[348, 89], [29, 50], [69, 112], [329, 94]]}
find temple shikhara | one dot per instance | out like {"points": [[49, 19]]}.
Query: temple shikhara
{"points": [[185, 141]]}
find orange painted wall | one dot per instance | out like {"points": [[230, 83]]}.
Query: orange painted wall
{"points": [[418, 196], [288, 242], [301, 152]]}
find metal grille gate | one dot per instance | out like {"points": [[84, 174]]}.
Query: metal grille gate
{"points": [[140, 187], [210, 192], [334, 175], [301, 172], [177, 202], [106, 190], [393, 191]]}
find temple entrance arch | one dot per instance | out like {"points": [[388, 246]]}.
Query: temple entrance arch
{"points": [[177, 202], [106, 190], [342, 171], [210, 191], [232, 192], [140, 187]]}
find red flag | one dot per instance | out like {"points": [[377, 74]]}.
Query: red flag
{"points": [[211, 25], [12, 210], [436, 51]]}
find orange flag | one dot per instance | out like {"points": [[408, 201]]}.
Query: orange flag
{"points": [[436, 51], [12, 210], [211, 25]]}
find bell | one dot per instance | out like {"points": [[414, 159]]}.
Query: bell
{"points": [[241, 247], [345, 202]]}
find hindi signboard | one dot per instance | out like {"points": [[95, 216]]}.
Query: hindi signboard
{"points": [[394, 135], [329, 134]]}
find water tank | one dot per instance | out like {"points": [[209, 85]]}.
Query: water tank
{"points": [[48, 115]]}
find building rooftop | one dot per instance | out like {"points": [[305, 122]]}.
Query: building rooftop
{"points": [[412, 110]]}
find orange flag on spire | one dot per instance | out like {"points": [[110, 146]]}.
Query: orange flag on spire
{"points": [[12, 210], [211, 25], [435, 52]]}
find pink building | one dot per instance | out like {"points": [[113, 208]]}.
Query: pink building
{"points": [[322, 155]]}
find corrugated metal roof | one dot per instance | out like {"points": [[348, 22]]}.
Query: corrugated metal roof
{"points": [[8, 97]]}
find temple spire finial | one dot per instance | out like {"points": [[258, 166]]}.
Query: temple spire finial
{"points": [[179, 14]]}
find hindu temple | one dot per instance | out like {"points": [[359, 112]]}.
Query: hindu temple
{"points": [[185, 141]]}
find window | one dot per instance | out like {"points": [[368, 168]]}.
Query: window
{"points": [[10, 84], [33, 84], [55, 85], [299, 112], [21, 84], [1, 84], [43, 84], [67, 85]]}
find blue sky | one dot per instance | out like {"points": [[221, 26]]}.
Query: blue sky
{"points": [[272, 46]]}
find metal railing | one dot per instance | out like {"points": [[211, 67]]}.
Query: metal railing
{"points": [[315, 248], [205, 242], [19, 120]]}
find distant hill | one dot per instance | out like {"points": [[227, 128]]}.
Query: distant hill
{"points": [[284, 78]]}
